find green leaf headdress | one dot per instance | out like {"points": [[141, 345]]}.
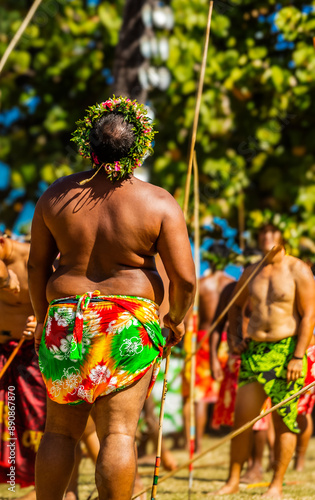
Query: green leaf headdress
{"points": [[133, 113]]}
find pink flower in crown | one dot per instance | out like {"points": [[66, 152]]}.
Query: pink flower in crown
{"points": [[107, 104], [117, 166], [95, 159]]}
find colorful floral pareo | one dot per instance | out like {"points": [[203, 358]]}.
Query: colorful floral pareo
{"points": [[93, 345]]}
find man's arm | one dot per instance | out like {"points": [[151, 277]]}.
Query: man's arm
{"points": [[174, 249], [215, 336], [8, 279], [305, 300], [235, 315], [42, 255]]}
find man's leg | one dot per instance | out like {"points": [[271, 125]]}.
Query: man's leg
{"points": [[167, 459], [285, 444], [55, 457], [90, 439], [306, 426], [72, 489], [201, 420], [254, 471], [116, 419], [249, 401]]}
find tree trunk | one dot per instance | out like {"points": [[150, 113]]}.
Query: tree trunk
{"points": [[128, 58]]}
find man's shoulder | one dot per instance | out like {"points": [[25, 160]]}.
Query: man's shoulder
{"points": [[62, 184], [159, 197], [297, 266], [157, 191]]}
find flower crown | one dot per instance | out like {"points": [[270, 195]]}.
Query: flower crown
{"points": [[133, 113]]}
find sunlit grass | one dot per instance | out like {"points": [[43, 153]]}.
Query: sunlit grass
{"points": [[209, 474]]}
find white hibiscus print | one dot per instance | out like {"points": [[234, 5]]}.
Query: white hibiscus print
{"points": [[100, 374], [56, 388], [64, 316], [87, 395], [64, 350], [124, 320], [48, 327], [131, 347], [71, 379]]}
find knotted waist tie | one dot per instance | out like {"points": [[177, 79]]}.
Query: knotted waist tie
{"points": [[82, 304]]}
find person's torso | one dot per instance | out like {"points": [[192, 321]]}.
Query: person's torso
{"points": [[106, 238], [210, 291], [273, 301], [15, 308]]}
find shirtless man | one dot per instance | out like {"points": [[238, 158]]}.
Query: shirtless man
{"points": [[282, 298], [16, 320], [206, 388], [107, 234]]}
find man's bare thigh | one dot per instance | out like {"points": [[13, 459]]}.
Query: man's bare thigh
{"points": [[69, 420], [119, 412]]}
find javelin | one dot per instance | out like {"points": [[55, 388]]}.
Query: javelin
{"points": [[197, 110], [19, 33], [230, 436], [229, 305], [11, 358], [192, 435]]}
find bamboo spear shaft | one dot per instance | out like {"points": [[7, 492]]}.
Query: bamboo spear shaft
{"points": [[229, 305], [11, 358], [197, 110], [159, 444], [230, 436], [19, 33], [192, 440]]}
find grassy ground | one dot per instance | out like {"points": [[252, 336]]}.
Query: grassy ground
{"points": [[209, 474]]}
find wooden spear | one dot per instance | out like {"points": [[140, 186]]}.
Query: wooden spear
{"points": [[11, 358], [195, 321], [19, 33], [197, 110], [159, 444], [229, 436]]}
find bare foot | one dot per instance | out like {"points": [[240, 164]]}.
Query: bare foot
{"points": [[252, 476], [168, 460], [273, 492], [138, 486], [227, 489]]}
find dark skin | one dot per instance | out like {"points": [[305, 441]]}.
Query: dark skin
{"points": [[16, 311], [215, 337], [108, 236]]}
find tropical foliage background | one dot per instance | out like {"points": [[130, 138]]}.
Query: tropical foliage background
{"points": [[255, 141]]}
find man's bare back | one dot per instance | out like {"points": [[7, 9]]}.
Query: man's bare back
{"points": [[15, 308], [210, 289], [112, 235]]}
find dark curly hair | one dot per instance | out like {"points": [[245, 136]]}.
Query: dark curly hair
{"points": [[111, 138]]}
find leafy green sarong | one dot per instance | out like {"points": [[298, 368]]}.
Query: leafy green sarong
{"points": [[266, 363]]}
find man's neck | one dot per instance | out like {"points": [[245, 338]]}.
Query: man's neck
{"points": [[277, 255]]}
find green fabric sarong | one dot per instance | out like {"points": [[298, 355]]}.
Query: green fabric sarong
{"points": [[266, 363]]}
